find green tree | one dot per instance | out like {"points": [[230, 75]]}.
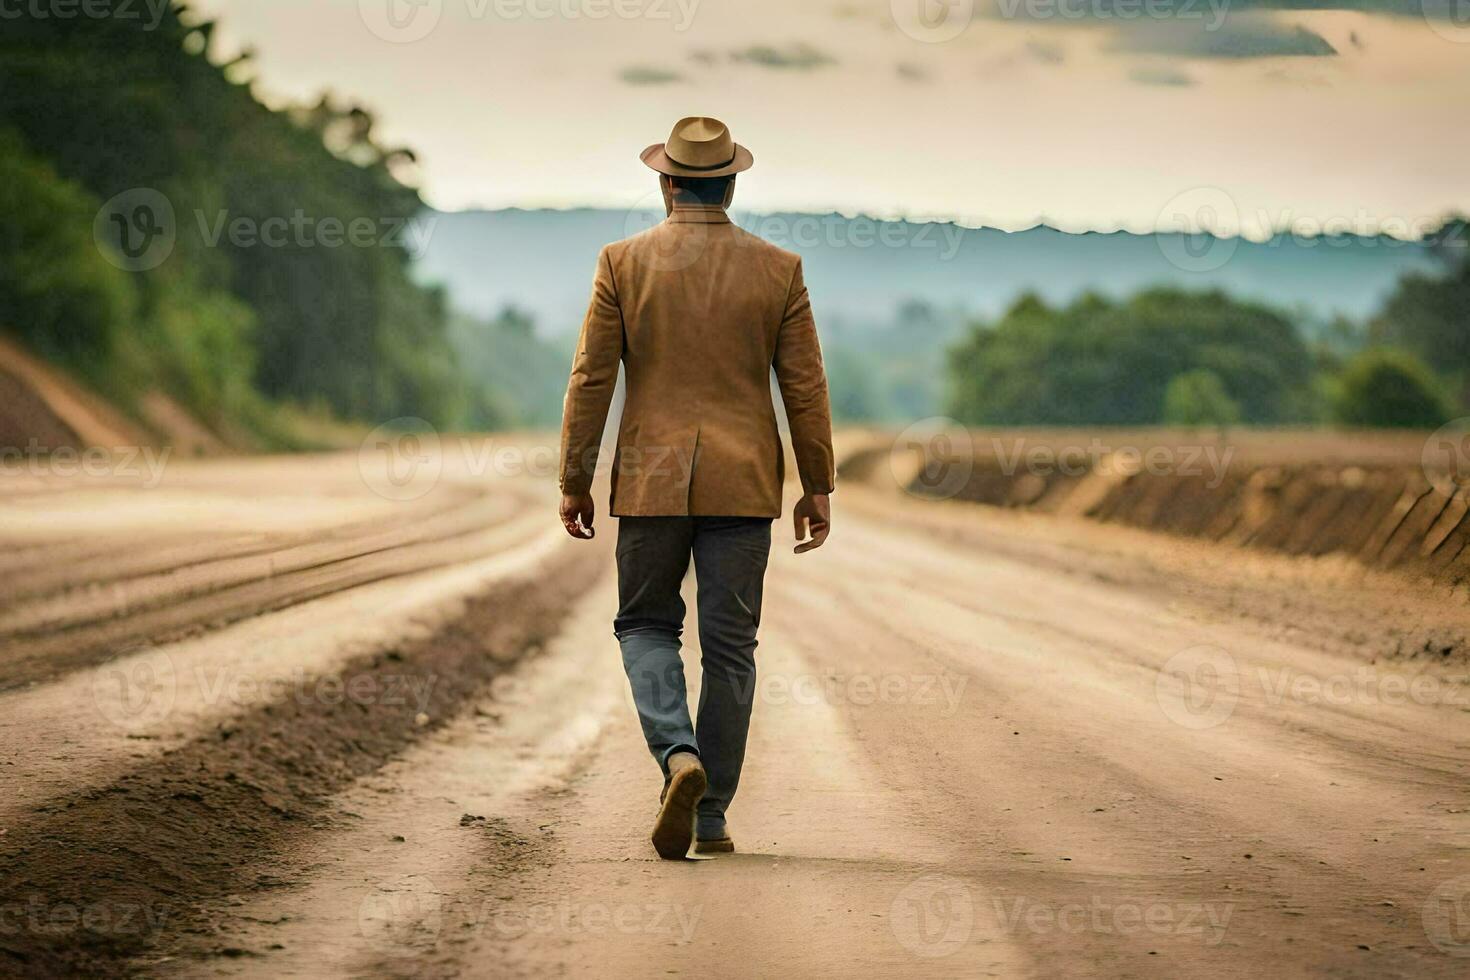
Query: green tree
{"points": [[855, 397], [57, 292], [1389, 389], [518, 377], [1099, 362], [1198, 398], [1429, 315], [116, 103]]}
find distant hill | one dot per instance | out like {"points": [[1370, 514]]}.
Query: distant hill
{"points": [[541, 261], [890, 297]]}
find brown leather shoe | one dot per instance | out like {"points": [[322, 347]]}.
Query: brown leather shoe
{"points": [[714, 845], [673, 831]]}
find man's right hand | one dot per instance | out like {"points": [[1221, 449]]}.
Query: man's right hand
{"points": [[812, 515], [576, 515]]}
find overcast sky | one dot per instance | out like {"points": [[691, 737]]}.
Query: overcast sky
{"points": [[1085, 114]]}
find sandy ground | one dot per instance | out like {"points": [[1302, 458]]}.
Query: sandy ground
{"points": [[984, 745]]}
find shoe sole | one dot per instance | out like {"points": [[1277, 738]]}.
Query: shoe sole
{"points": [[673, 831], [723, 845]]}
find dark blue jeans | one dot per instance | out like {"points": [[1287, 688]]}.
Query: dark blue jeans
{"points": [[729, 556]]}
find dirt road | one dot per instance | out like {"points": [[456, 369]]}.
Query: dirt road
{"points": [[984, 745]]}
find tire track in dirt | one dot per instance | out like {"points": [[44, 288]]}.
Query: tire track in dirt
{"points": [[70, 565], [193, 825], [72, 632], [117, 593], [87, 728]]}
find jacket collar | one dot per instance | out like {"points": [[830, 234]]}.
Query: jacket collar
{"points": [[704, 214]]}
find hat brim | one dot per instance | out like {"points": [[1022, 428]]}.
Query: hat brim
{"points": [[657, 159]]}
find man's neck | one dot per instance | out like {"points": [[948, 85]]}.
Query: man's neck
{"points": [[695, 211]]}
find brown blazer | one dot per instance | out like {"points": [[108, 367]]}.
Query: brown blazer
{"points": [[698, 311]]}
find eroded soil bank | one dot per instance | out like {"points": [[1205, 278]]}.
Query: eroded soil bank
{"points": [[1382, 499]]}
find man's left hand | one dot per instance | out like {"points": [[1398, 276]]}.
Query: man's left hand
{"points": [[577, 512], [812, 515]]}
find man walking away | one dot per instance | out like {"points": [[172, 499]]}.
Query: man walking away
{"points": [[698, 312]]}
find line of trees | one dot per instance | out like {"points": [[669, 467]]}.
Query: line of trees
{"points": [[96, 106], [1166, 356]]}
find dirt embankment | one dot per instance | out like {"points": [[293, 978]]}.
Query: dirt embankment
{"points": [[1365, 496], [42, 411]]}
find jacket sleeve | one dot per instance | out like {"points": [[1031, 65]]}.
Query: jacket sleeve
{"points": [[803, 382], [590, 390]]}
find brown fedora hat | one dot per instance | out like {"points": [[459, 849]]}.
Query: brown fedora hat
{"points": [[698, 147]]}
